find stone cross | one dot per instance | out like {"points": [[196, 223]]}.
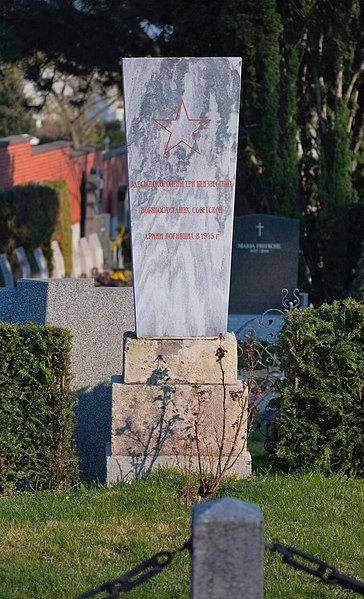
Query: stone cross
{"points": [[182, 132]]}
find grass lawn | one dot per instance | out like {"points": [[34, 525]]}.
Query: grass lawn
{"points": [[59, 544]]}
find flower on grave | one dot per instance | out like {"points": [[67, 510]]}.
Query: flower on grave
{"points": [[110, 278]]}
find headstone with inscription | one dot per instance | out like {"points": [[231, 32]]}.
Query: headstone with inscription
{"points": [[59, 271], [6, 272], [41, 263], [23, 262], [182, 134], [264, 261], [182, 130]]}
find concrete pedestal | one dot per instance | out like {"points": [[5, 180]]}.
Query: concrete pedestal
{"points": [[169, 384]]}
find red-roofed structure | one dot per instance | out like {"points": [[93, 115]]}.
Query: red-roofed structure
{"points": [[22, 162]]}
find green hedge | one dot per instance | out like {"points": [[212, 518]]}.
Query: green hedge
{"points": [[63, 226], [36, 408], [320, 423], [33, 215]]}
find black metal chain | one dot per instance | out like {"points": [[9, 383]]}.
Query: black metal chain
{"points": [[137, 575], [324, 571], [327, 573]]}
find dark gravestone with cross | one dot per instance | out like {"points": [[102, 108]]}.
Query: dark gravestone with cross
{"points": [[264, 261]]}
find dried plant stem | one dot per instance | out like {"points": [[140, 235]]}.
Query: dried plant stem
{"points": [[210, 481], [222, 443]]}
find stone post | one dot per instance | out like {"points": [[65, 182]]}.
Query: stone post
{"points": [[227, 550]]}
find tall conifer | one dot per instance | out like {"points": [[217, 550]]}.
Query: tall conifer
{"points": [[15, 115]]}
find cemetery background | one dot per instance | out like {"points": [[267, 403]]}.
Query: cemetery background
{"points": [[316, 187], [270, 187], [276, 174], [295, 183], [261, 226]]}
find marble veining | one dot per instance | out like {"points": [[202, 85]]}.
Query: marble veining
{"points": [[182, 129]]}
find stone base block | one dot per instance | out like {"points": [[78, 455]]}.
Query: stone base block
{"points": [[162, 424], [192, 361], [121, 468]]}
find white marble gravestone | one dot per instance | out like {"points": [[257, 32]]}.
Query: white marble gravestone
{"points": [[76, 262], [182, 133], [23, 262], [58, 261], [97, 254], [6, 271], [41, 263], [85, 257]]}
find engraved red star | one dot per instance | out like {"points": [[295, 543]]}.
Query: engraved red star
{"points": [[182, 129]]}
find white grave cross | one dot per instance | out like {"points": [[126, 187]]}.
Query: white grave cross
{"points": [[260, 227]]}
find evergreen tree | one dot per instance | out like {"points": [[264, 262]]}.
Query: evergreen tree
{"points": [[331, 131], [302, 126], [15, 116], [301, 147], [263, 167]]}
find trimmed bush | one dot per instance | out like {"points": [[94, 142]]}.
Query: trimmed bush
{"points": [[320, 423], [34, 215], [27, 214], [36, 408]]}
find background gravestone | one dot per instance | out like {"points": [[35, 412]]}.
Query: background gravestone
{"points": [[103, 231], [100, 225], [91, 201], [97, 254], [23, 262], [76, 262], [264, 261], [182, 132], [85, 257], [6, 272], [58, 261], [41, 263]]}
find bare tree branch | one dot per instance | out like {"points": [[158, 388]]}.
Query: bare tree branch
{"points": [[353, 81]]}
